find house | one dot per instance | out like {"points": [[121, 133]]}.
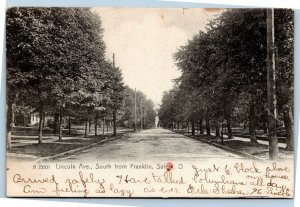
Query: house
{"points": [[29, 119]]}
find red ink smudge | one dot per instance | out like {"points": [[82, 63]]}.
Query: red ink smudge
{"points": [[169, 166]]}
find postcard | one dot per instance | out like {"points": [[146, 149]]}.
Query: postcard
{"points": [[150, 102]]}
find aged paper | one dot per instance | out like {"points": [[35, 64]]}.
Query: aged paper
{"points": [[151, 103], [215, 179]]}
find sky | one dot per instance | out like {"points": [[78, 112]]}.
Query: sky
{"points": [[144, 42]]}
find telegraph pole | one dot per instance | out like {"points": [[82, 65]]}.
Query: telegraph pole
{"points": [[271, 86], [145, 115], [134, 109], [114, 110], [141, 114]]}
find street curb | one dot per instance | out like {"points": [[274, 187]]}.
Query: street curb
{"points": [[62, 154], [243, 154]]}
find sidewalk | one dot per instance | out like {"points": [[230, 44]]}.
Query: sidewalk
{"points": [[27, 147], [242, 144]]}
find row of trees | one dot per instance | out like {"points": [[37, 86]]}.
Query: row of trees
{"points": [[224, 75], [137, 111], [56, 66]]}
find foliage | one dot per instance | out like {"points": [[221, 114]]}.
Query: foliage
{"points": [[224, 74], [56, 64]]}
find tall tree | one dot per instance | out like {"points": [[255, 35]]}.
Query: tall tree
{"points": [[46, 46]]}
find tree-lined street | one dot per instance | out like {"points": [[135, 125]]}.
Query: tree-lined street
{"points": [[236, 81], [58, 77], [153, 144]]}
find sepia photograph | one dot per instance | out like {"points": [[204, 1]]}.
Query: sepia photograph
{"points": [[150, 102]]}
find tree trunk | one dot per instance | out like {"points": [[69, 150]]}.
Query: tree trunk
{"points": [[103, 125], [217, 126], [288, 124], [228, 123], [86, 128], [207, 126], [10, 121], [222, 134], [96, 125], [69, 125], [177, 126], [265, 126], [114, 123], [55, 123], [60, 127], [252, 122], [90, 125], [24, 121], [44, 120], [41, 126], [193, 128], [188, 127], [107, 125], [201, 126]]}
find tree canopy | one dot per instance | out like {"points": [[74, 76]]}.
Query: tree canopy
{"points": [[56, 65], [224, 74]]}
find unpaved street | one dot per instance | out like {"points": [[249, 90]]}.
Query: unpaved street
{"points": [[153, 144]]}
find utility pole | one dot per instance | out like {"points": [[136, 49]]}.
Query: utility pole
{"points": [[134, 109], [114, 110], [141, 114], [271, 86], [145, 114]]}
